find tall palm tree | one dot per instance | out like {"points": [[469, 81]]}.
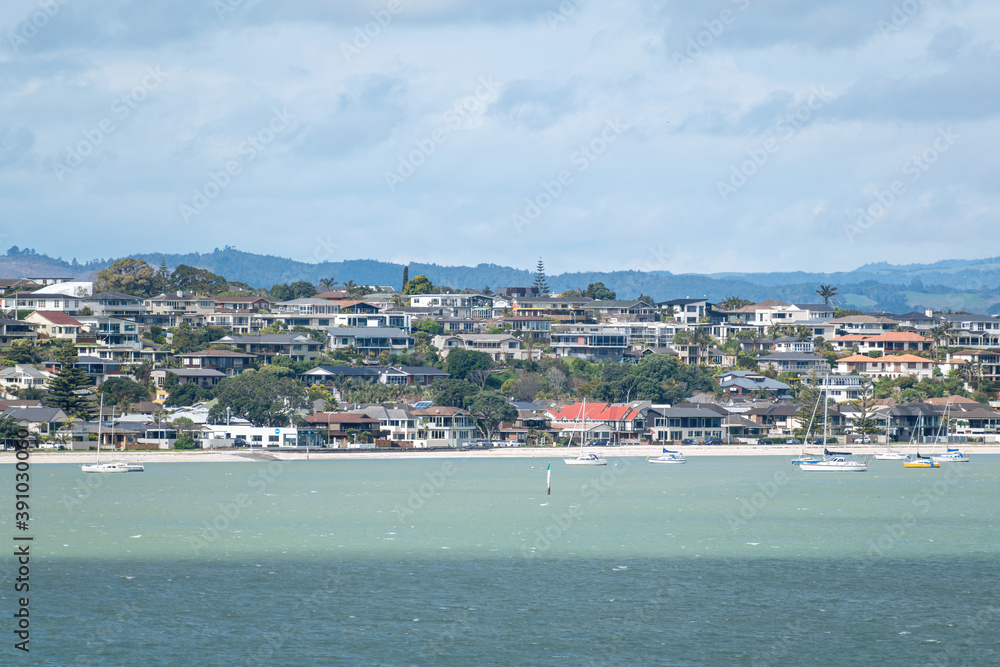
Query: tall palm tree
{"points": [[828, 292], [328, 283]]}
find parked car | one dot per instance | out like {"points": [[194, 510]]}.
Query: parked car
{"points": [[863, 440], [688, 441], [240, 442], [816, 441], [765, 441], [713, 441], [598, 442], [793, 441]]}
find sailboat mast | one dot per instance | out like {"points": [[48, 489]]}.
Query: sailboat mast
{"points": [[100, 422], [826, 408]]}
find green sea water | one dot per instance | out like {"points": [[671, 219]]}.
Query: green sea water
{"points": [[725, 560]]}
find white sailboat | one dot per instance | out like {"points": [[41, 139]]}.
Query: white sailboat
{"points": [[110, 466], [668, 456], [586, 459], [831, 463], [953, 455]]}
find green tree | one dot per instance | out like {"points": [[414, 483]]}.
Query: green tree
{"points": [[200, 281], [185, 442], [328, 283], [429, 326], [302, 289], [867, 422], [461, 362], [406, 276], [122, 391], [827, 292], [8, 430], [185, 394], [734, 302], [598, 291], [128, 276], [281, 292], [161, 282], [420, 285], [540, 283], [489, 409], [23, 352], [69, 390], [263, 398], [453, 393]]}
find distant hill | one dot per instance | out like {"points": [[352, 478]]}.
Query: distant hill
{"points": [[972, 285]]}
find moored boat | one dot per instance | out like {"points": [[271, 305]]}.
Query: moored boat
{"points": [[921, 463], [668, 456], [951, 456], [833, 464], [587, 460]]}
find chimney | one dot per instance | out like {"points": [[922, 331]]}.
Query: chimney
{"points": [[929, 312]]}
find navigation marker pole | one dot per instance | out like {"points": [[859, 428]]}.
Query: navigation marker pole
{"points": [[548, 479]]}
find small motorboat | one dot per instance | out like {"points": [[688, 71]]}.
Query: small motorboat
{"points": [[587, 460]]}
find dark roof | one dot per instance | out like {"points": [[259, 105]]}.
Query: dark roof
{"points": [[111, 295], [680, 302], [35, 414], [419, 370], [350, 371]]}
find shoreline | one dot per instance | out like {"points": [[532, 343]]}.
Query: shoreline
{"points": [[275, 454]]}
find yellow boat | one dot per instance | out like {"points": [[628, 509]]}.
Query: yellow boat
{"points": [[921, 463]]}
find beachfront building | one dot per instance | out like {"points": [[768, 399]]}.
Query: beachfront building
{"points": [[678, 423], [441, 426], [211, 436]]}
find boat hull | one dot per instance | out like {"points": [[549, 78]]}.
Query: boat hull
{"points": [[833, 466], [945, 458], [112, 467], [890, 456], [922, 463], [665, 459], [587, 462]]}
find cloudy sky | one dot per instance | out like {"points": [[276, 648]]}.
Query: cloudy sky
{"points": [[721, 135]]}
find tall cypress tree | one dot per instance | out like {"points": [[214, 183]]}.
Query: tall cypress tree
{"points": [[406, 277], [67, 390], [541, 284]]}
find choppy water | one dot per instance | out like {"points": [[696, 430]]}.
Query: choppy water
{"points": [[467, 562]]}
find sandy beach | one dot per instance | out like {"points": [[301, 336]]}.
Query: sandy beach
{"points": [[234, 456]]}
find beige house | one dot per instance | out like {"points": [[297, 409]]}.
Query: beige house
{"points": [[56, 324]]}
